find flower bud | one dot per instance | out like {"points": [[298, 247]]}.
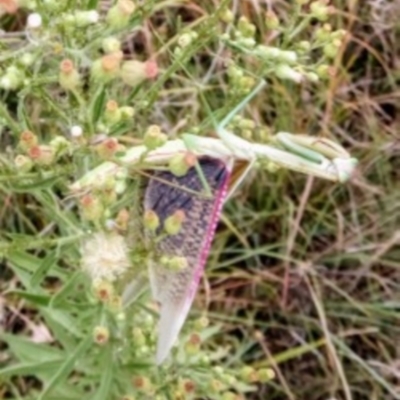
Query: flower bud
{"points": [[187, 386], [142, 383], [331, 49], [103, 290], [111, 45], [154, 138], [192, 346], [226, 15], [180, 164], [285, 72], [319, 10], [138, 337], [115, 304], [134, 72], [151, 220], [85, 18], [271, 20], [107, 67], [265, 374], [27, 140], [107, 148], [249, 374], [112, 113], [12, 79], [69, 77], [127, 112], [174, 263], [41, 155], [201, 323], [101, 335], [173, 223], [119, 15], [60, 145], [122, 219], [92, 209], [184, 40], [23, 163], [246, 28]]}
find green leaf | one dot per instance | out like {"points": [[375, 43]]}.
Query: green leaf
{"points": [[67, 367], [104, 391], [45, 266], [28, 351], [69, 287], [98, 104], [38, 299], [36, 184]]}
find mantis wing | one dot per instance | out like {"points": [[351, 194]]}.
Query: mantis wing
{"points": [[165, 194]]}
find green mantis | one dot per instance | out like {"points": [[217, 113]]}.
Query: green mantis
{"points": [[318, 157]]}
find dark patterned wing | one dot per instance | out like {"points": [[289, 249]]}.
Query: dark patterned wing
{"points": [[166, 194]]}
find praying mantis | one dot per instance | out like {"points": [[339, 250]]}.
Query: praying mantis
{"points": [[216, 158]]}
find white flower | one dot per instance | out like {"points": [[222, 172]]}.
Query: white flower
{"points": [[105, 256], [76, 131], [34, 21]]}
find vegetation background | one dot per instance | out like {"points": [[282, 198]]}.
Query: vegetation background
{"points": [[304, 275]]}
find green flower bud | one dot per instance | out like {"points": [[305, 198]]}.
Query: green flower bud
{"points": [[134, 72], [138, 337], [23, 163], [69, 77], [266, 374], [106, 68], [127, 112], [226, 15], [92, 208], [107, 148], [113, 113], [246, 28], [180, 164], [173, 223], [111, 45], [120, 14], [271, 20], [154, 138], [184, 40], [319, 10], [249, 374], [151, 220], [60, 145], [12, 79], [285, 72]]}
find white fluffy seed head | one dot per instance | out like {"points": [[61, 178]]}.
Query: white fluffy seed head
{"points": [[105, 256]]}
